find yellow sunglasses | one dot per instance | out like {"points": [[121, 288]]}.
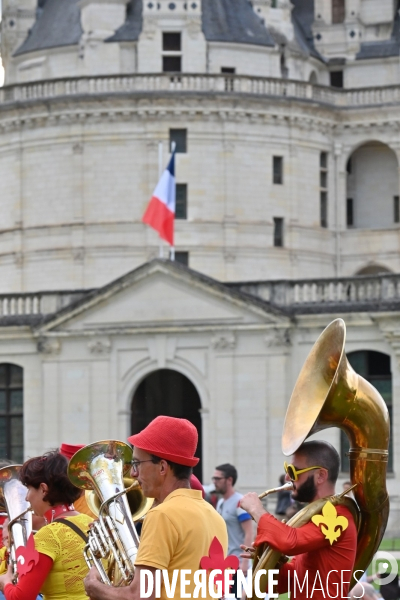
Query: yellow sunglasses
{"points": [[294, 473]]}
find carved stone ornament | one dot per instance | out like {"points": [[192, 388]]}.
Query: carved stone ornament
{"points": [[278, 337], [48, 346], [99, 347], [194, 27], [149, 27], [223, 341]]}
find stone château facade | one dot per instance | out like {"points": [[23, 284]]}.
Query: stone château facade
{"points": [[286, 115]]}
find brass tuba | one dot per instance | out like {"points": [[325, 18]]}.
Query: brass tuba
{"points": [[12, 501], [113, 542], [329, 393], [139, 505]]}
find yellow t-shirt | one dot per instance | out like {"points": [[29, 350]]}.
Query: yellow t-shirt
{"points": [[65, 548], [3, 560], [178, 533]]}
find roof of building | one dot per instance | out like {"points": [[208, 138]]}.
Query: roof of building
{"points": [[233, 21], [303, 18], [58, 24], [385, 48], [131, 29]]}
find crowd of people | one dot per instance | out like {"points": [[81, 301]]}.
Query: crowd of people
{"points": [[181, 527]]}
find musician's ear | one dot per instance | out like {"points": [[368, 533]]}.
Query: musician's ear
{"points": [[163, 466], [322, 476], [44, 488]]}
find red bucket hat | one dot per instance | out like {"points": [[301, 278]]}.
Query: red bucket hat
{"points": [[169, 438], [68, 450]]}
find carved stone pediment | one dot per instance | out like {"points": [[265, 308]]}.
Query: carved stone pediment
{"points": [[278, 337], [48, 346], [99, 347], [223, 341]]}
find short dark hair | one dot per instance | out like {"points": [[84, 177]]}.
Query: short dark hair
{"points": [[322, 454], [229, 471], [51, 469], [181, 472]]}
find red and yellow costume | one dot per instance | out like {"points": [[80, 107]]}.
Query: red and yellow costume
{"points": [[313, 555], [3, 560], [61, 567]]}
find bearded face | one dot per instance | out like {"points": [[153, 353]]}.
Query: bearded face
{"points": [[307, 491]]}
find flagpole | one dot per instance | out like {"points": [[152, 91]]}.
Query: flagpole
{"points": [[172, 251], [160, 171]]}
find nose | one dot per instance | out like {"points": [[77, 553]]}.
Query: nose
{"points": [[287, 478]]}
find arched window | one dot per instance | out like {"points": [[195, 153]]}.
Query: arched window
{"points": [[372, 194], [373, 270], [11, 412], [375, 368]]}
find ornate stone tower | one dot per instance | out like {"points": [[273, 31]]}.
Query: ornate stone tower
{"points": [[18, 17]]}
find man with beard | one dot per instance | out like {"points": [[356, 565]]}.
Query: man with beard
{"points": [[238, 522], [324, 549]]}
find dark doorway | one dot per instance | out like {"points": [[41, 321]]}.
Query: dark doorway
{"points": [[167, 392]]}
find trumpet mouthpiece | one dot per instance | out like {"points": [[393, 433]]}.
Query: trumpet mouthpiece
{"points": [[286, 486]]}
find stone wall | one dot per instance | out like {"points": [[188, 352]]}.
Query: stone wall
{"points": [[78, 169]]}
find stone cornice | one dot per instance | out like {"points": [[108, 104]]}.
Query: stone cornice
{"points": [[67, 111], [211, 95]]}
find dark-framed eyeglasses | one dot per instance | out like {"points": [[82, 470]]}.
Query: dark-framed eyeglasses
{"points": [[217, 478], [136, 463]]}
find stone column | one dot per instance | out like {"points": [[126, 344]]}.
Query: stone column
{"points": [[339, 201]]}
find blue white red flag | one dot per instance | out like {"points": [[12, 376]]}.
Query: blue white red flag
{"points": [[160, 212]]}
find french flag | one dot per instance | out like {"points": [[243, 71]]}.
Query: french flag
{"points": [[160, 212]]}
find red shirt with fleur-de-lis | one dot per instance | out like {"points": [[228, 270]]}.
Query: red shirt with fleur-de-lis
{"points": [[314, 557]]}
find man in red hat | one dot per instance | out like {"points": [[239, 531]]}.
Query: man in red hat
{"points": [[178, 532]]}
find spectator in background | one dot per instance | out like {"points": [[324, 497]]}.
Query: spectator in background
{"points": [[364, 591], [390, 590], [284, 499], [346, 486], [238, 522]]}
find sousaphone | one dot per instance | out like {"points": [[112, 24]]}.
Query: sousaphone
{"points": [[329, 393]]}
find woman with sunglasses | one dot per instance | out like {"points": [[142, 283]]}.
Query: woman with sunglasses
{"points": [[52, 562], [324, 549]]}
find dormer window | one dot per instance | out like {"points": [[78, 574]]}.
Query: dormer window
{"points": [[338, 11], [172, 52]]}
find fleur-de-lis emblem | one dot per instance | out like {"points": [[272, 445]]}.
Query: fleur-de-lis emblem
{"points": [[27, 557], [216, 560], [332, 525]]}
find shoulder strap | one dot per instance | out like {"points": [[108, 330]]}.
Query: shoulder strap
{"points": [[74, 528]]}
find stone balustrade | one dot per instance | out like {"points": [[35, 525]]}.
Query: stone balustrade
{"points": [[36, 304], [379, 292], [199, 83], [347, 294]]}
